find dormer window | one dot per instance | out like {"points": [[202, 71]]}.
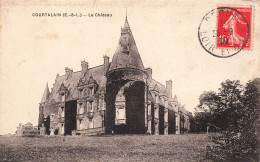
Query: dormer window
{"points": [[163, 102], [63, 91], [92, 85], [52, 117], [80, 92], [62, 97], [157, 99], [91, 91], [125, 44]]}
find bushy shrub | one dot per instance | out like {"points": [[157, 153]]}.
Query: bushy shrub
{"points": [[231, 146], [31, 133]]}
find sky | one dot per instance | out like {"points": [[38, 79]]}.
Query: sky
{"points": [[34, 49]]}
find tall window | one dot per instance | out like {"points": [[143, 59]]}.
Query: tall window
{"points": [[121, 113], [99, 104], [62, 112], [62, 97], [156, 112], [103, 122], [80, 124], [91, 123], [149, 110], [81, 108], [166, 116], [91, 106], [120, 108], [62, 129], [91, 91]]}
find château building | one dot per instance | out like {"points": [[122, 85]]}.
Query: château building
{"points": [[119, 97], [28, 130]]}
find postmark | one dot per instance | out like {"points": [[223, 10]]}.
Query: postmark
{"points": [[225, 31]]}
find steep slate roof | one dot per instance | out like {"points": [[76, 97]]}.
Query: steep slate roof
{"points": [[126, 54], [46, 94], [184, 111], [71, 83], [155, 85]]}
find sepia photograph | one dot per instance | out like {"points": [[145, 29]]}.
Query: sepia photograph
{"points": [[130, 80]]}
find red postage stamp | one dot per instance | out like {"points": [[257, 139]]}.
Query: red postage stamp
{"points": [[234, 27]]}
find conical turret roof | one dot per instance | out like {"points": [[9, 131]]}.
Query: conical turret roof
{"points": [[46, 94], [126, 55]]}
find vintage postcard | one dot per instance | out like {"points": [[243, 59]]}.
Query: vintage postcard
{"points": [[129, 80]]}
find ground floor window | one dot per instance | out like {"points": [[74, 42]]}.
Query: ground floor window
{"points": [[91, 123], [62, 129]]}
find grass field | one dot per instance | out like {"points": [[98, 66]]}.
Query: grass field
{"points": [[187, 147]]}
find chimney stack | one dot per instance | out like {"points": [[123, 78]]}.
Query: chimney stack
{"points": [[106, 63], [68, 72], [149, 72], [169, 88], [84, 66]]}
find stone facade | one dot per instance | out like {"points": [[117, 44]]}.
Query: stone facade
{"points": [[119, 97]]}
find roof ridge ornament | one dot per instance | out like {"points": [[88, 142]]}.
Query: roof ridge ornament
{"points": [[126, 14]]}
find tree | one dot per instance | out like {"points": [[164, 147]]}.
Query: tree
{"points": [[249, 124], [204, 112], [229, 105], [239, 141]]}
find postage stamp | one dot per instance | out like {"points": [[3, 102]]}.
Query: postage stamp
{"points": [[232, 27], [225, 31]]}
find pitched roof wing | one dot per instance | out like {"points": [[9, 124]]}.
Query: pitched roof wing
{"points": [[71, 83]]}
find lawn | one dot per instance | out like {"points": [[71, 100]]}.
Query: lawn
{"points": [[186, 147]]}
